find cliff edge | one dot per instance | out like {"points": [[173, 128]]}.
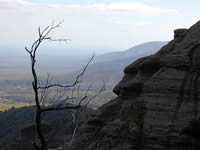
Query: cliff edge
{"points": [[156, 104]]}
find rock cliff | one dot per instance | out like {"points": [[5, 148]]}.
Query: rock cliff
{"points": [[157, 102]]}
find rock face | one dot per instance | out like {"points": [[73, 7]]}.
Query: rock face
{"points": [[157, 101]]}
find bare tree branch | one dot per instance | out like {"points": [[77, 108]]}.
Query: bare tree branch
{"points": [[74, 83], [76, 113], [59, 108], [32, 53], [43, 93]]}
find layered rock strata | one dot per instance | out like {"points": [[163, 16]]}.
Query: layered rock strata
{"points": [[156, 101]]}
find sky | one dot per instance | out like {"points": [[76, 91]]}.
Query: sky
{"points": [[95, 24]]}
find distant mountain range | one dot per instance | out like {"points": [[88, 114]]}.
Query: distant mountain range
{"points": [[141, 50], [109, 67]]}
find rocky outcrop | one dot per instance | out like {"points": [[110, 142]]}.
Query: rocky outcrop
{"points": [[179, 33], [157, 102]]}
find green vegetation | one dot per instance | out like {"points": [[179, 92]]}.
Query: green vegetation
{"points": [[14, 120]]}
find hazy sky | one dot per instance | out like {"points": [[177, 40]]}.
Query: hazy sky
{"points": [[96, 24]]}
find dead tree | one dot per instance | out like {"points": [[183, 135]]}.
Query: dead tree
{"points": [[41, 92], [76, 112]]}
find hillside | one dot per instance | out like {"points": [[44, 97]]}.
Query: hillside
{"points": [[108, 67], [157, 105], [137, 51], [16, 122]]}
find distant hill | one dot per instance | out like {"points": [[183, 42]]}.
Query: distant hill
{"points": [[144, 49], [109, 67]]}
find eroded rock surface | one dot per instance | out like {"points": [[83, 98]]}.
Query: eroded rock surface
{"points": [[157, 99]]}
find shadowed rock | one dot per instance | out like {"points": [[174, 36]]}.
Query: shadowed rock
{"points": [[179, 33], [157, 98]]}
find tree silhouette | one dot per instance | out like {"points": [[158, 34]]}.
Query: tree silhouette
{"points": [[41, 92]]}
